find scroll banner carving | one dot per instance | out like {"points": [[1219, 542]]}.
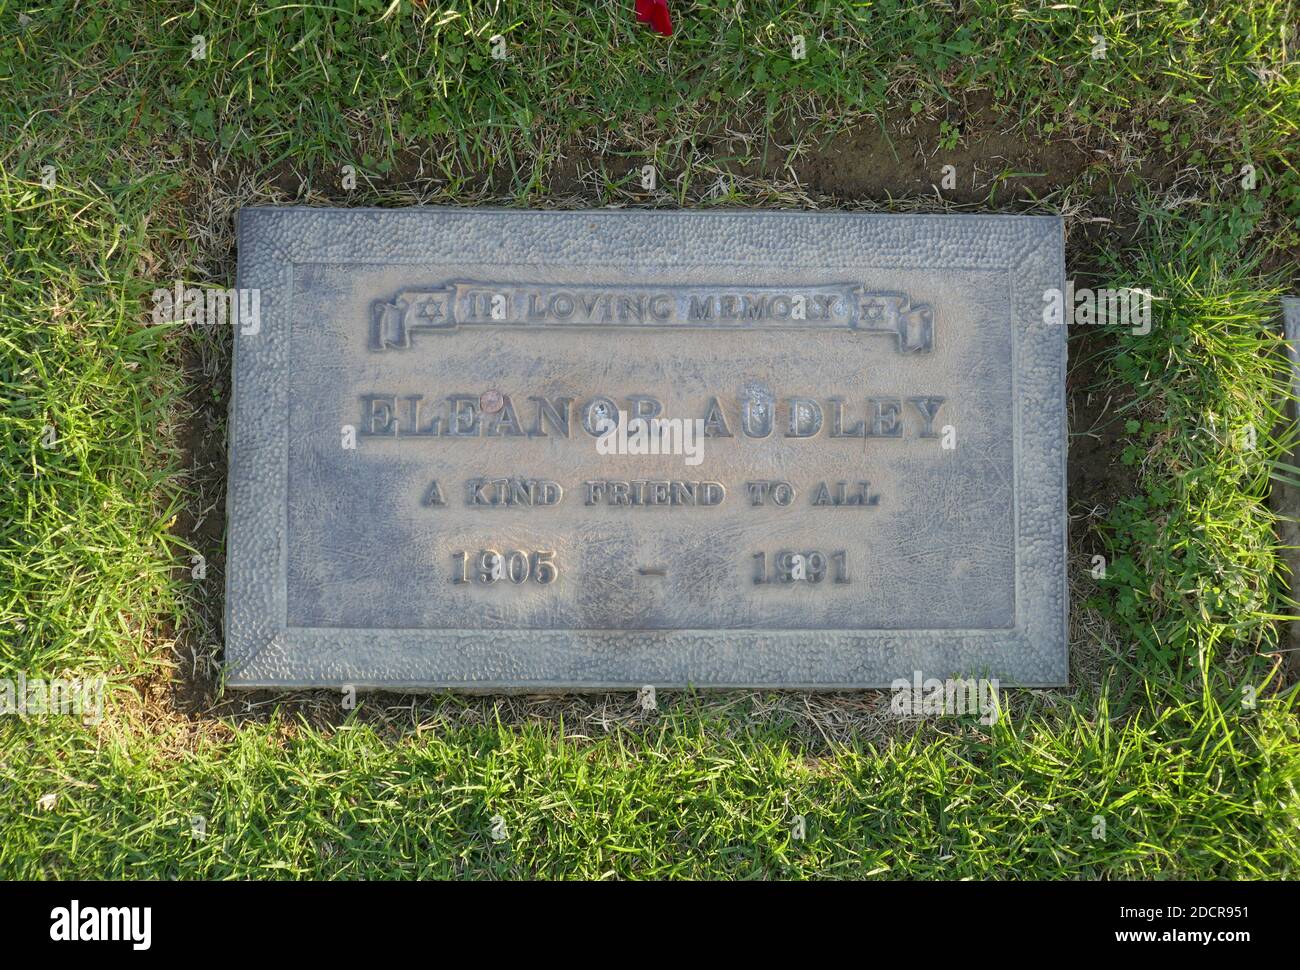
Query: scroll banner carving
{"points": [[461, 303]]}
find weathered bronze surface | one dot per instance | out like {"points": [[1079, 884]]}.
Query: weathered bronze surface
{"points": [[439, 473]]}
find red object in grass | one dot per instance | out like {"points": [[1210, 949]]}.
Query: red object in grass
{"points": [[655, 13]]}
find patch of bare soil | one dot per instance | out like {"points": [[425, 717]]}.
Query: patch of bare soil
{"points": [[987, 166]]}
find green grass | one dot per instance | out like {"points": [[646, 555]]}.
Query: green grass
{"points": [[151, 153], [697, 794]]}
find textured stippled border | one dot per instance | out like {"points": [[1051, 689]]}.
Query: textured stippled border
{"points": [[262, 652]]}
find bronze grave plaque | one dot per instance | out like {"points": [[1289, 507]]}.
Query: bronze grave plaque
{"points": [[508, 450]]}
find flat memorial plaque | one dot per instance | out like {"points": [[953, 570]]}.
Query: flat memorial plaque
{"points": [[1285, 498], [1291, 330], [855, 426]]}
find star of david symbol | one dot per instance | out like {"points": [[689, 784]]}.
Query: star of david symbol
{"points": [[873, 310], [431, 309]]}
